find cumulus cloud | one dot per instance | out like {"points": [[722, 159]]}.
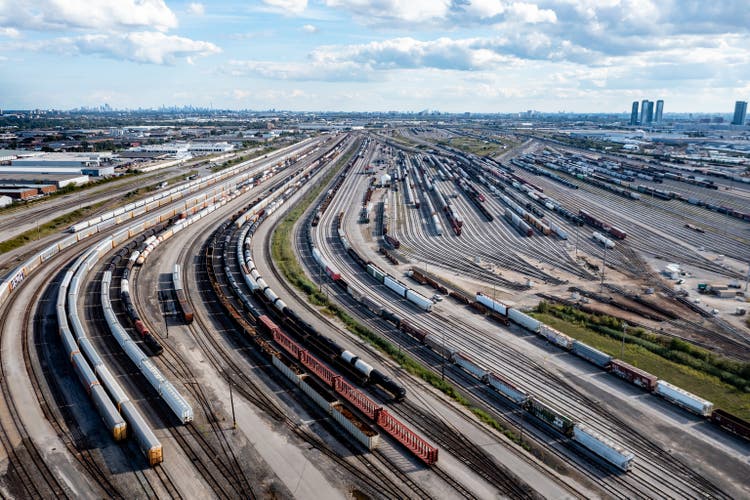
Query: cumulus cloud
{"points": [[287, 6], [150, 47], [196, 9], [323, 71], [10, 32], [406, 11], [73, 14], [309, 28]]}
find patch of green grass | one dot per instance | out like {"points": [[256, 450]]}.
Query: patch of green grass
{"points": [[472, 145], [283, 255], [55, 225], [710, 387]]}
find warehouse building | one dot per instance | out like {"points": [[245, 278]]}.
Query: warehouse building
{"points": [[57, 180], [19, 193]]}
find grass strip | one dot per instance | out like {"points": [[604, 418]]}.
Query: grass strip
{"points": [[636, 352], [283, 256], [55, 225]]}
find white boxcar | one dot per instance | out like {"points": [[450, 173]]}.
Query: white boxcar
{"points": [[524, 320], [395, 286], [604, 447], [684, 399], [491, 304], [422, 302]]}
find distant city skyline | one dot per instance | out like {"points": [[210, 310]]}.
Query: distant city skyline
{"points": [[375, 55]]}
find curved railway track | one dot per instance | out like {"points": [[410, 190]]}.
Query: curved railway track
{"points": [[663, 473]]}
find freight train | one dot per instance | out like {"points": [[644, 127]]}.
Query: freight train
{"points": [[302, 329]]}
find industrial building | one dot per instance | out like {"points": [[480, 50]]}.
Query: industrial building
{"points": [[19, 193], [87, 164], [59, 181]]}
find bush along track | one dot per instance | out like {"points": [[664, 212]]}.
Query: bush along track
{"points": [[724, 381], [284, 258]]}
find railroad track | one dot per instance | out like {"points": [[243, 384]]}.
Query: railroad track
{"points": [[58, 413], [371, 477], [446, 437], [26, 463], [671, 475]]}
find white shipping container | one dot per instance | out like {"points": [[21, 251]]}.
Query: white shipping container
{"points": [[604, 447], [683, 398]]}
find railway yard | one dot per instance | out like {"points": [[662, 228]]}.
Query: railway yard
{"points": [[384, 315]]}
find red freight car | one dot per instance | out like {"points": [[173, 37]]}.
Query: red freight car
{"points": [[731, 423], [617, 233], [633, 375]]}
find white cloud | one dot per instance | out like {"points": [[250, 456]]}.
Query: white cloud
{"points": [[196, 9], [330, 71], [144, 47], [239, 94], [408, 11], [287, 6], [309, 28], [10, 32], [99, 14]]}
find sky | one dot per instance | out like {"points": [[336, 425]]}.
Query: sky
{"points": [[376, 55]]}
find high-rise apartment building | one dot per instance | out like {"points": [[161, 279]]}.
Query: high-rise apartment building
{"points": [[740, 113], [634, 114], [659, 111], [647, 112], [644, 110]]}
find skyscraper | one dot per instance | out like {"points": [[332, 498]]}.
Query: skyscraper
{"points": [[644, 111], [740, 112], [647, 112], [634, 114], [659, 110]]}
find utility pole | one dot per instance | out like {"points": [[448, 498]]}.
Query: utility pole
{"points": [[442, 368], [231, 402], [622, 349], [604, 267]]}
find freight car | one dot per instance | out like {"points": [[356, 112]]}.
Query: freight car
{"points": [[153, 345], [731, 423], [683, 399], [602, 446], [601, 239], [185, 308], [633, 375], [551, 417], [392, 241]]}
